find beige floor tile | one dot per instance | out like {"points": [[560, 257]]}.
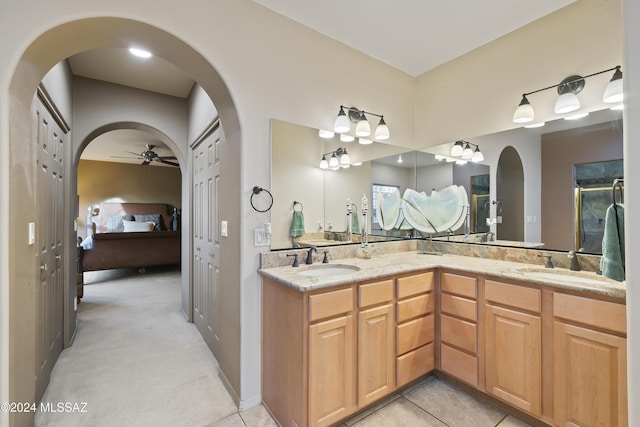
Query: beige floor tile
{"points": [[384, 402], [257, 417], [231, 421], [400, 413], [511, 421], [453, 406]]}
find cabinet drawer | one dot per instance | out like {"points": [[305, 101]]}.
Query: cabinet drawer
{"points": [[460, 307], [513, 295], [459, 333], [414, 334], [330, 304], [459, 364], [414, 285], [414, 307], [375, 293], [459, 285], [599, 314], [414, 364]]}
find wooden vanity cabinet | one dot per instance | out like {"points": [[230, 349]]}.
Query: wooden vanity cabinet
{"points": [[415, 330], [376, 339], [513, 344], [459, 327], [590, 380]]}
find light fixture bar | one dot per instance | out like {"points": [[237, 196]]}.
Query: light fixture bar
{"points": [[569, 82]]}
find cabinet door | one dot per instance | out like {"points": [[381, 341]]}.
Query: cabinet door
{"points": [[590, 381], [376, 357], [332, 370], [513, 357]]}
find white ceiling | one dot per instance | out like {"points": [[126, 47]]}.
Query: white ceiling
{"points": [[411, 35]]}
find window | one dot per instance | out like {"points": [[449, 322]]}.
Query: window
{"points": [[375, 190]]}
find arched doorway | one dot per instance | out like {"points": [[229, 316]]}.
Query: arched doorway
{"points": [[510, 196], [46, 51]]}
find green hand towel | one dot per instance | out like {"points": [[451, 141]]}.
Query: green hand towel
{"points": [[612, 261], [355, 225], [297, 224]]}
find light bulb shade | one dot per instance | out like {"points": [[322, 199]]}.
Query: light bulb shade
{"points": [[344, 158], [477, 156], [456, 150], [363, 128], [333, 162], [613, 91], [346, 138], [326, 134], [382, 131], [467, 153], [341, 124], [566, 103], [524, 113], [365, 141], [323, 163]]}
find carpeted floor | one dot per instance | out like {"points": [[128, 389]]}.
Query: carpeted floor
{"points": [[135, 360]]}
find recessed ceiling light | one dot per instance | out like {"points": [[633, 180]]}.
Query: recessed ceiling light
{"points": [[140, 52]]}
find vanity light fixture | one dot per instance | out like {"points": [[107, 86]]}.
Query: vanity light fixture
{"points": [[400, 158], [343, 122], [338, 158], [462, 150], [346, 138], [364, 141], [568, 89], [326, 134]]}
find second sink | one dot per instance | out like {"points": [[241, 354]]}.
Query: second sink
{"points": [[322, 270]]}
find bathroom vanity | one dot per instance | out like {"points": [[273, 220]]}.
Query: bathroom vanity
{"points": [[549, 343]]}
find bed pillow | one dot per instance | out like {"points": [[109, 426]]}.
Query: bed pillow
{"points": [[130, 226], [154, 218], [114, 223]]}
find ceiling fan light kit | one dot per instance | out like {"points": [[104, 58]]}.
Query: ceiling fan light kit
{"points": [[149, 156]]}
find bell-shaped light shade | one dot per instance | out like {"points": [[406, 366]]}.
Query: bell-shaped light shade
{"points": [[477, 156], [344, 159], [613, 92], [333, 162], [346, 138], [382, 131], [566, 103], [467, 153], [341, 124], [323, 163], [456, 150], [326, 134], [364, 141], [363, 128], [524, 112]]}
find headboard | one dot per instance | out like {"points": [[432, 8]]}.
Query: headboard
{"points": [[108, 209]]}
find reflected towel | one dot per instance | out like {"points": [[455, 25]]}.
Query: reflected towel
{"points": [[297, 224], [355, 225], [612, 261]]}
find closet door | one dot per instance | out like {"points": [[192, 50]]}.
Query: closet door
{"points": [[206, 235], [51, 144]]}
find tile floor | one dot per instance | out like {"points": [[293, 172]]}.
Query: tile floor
{"points": [[431, 402]]}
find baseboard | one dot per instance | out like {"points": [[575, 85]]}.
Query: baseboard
{"points": [[230, 389], [249, 403]]}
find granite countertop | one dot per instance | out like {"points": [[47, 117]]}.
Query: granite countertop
{"points": [[385, 265]]}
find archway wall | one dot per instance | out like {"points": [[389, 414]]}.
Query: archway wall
{"points": [[266, 66]]}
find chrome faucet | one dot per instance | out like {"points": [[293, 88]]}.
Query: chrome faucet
{"points": [[575, 264], [488, 237], [549, 263], [312, 249]]}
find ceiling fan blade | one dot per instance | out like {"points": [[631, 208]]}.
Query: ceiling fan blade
{"points": [[145, 163], [167, 157], [126, 157], [166, 162]]}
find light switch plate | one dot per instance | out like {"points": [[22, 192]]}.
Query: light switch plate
{"points": [[32, 233], [261, 238], [224, 227]]}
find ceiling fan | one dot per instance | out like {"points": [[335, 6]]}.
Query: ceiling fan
{"points": [[149, 156]]}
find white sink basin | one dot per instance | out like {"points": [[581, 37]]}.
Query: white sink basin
{"points": [[323, 270], [565, 276]]}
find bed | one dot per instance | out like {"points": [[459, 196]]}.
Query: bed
{"points": [[115, 239]]}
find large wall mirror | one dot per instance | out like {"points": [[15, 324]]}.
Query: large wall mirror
{"points": [[554, 206]]}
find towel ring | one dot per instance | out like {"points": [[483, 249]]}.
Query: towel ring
{"points": [[618, 182], [297, 204], [258, 190]]}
